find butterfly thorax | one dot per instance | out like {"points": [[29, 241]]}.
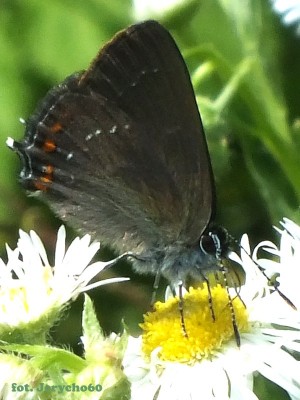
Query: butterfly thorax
{"points": [[178, 262]]}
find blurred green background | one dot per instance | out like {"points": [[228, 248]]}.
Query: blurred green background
{"points": [[244, 65]]}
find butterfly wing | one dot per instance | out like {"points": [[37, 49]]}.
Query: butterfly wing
{"points": [[119, 150]]}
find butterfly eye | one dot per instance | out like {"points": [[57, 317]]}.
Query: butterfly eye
{"points": [[207, 244], [215, 242]]}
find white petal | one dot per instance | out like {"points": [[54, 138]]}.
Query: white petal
{"points": [[60, 245]]}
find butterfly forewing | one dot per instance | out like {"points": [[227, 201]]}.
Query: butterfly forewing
{"points": [[143, 71]]}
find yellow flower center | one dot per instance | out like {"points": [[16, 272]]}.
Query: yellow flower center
{"points": [[163, 329]]}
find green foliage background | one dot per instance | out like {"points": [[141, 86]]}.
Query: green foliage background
{"points": [[245, 69]]}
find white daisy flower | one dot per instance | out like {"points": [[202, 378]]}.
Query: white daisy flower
{"points": [[31, 290], [208, 364]]}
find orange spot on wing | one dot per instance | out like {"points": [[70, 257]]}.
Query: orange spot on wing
{"points": [[43, 183], [40, 186], [49, 146], [49, 169], [56, 127], [46, 179]]}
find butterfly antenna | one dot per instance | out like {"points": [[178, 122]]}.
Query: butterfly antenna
{"points": [[237, 288], [217, 244]]}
